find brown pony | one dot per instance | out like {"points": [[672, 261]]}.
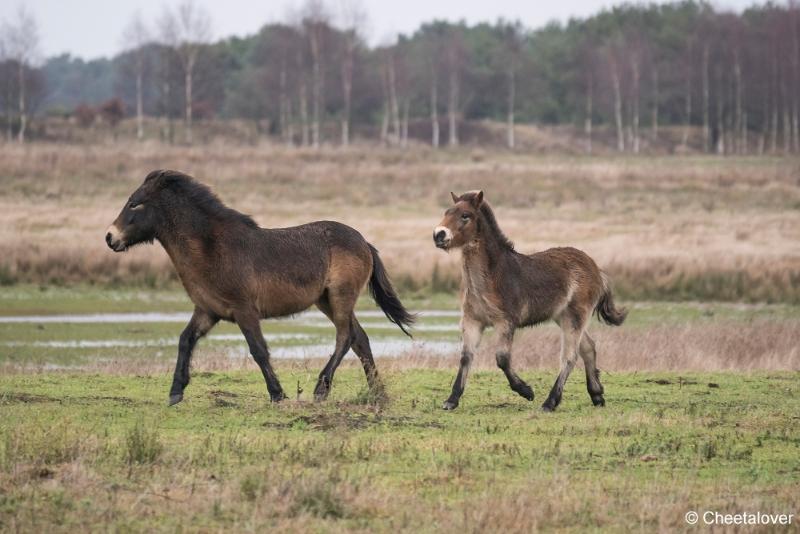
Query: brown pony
{"points": [[507, 290], [233, 270]]}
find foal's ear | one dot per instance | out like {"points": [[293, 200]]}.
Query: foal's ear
{"points": [[454, 197], [477, 200]]}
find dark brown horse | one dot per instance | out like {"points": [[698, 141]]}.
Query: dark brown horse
{"points": [[507, 290], [233, 270]]}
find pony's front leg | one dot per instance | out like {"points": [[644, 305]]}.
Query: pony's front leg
{"points": [[471, 332], [505, 334], [250, 327], [199, 325]]}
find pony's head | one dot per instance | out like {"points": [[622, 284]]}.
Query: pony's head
{"points": [[460, 223], [138, 220]]}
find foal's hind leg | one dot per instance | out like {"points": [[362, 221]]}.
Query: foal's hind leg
{"points": [[572, 327], [505, 334], [341, 308], [589, 355]]}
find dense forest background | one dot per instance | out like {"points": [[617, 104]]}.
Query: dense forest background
{"points": [[630, 70]]}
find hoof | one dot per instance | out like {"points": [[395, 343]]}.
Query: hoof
{"points": [[548, 406], [175, 399], [525, 391], [598, 400], [450, 405], [278, 397]]}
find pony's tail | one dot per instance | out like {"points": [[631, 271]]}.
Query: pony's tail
{"points": [[605, 309], [382, 291]]}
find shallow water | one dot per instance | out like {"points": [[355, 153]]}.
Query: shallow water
{"points": [[183, 317]]}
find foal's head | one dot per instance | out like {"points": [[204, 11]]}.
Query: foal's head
{"points": [[460, 224], [140, 217]]}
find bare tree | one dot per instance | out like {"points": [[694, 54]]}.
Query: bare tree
{"points": [[22, 43], [186, 31], [455, 57], [315, 20], [135, 37], [613, 67], [353, 20]]}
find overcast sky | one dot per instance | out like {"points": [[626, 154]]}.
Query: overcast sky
{"points": [[92, 28]]}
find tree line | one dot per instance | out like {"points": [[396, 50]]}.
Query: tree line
{"points": [[729, 82]]}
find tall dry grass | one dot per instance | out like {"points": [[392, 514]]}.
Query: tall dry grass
{"points": [[679, 227]]}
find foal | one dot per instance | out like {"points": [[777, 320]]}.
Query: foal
{"points": [[235, 271], [508, 290]]}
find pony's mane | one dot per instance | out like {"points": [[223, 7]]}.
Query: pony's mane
{"points": [[493, 228], [199, 195]]}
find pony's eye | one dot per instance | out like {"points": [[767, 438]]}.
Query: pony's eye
{"points": [[465, 217], [135, 205]]}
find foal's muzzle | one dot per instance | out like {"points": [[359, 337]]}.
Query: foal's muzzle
{"points": [[441, 238]]}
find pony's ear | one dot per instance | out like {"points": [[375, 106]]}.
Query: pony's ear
{"points": [[477, 200], [455, 198]]}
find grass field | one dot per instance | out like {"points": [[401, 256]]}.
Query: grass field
{"points": [[100, 452]]}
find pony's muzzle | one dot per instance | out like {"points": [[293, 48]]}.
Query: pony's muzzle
{"points": [[114, 239]]}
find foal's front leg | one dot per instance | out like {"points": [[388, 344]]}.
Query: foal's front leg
{"points": [[471, 332], [505, 334]]}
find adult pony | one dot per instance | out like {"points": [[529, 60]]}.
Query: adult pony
{"points": [[507, 290], [233, 270]]}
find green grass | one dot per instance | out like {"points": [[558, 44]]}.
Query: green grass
{"points": [[102, 452]]}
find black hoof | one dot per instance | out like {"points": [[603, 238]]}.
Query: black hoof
{"points": [[277, 397], [450, 405], [525, 391], [598, 400], [549, 406], [175, 399]]}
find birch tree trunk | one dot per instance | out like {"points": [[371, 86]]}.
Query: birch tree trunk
{"points": [[347, 90], [434, 108], [139, 107], [655, 104], [316, 88], [394, 108], [737, 127], [706, 124], [23, 114], [617, 107], [688, 125], [304, 112], [452, 107], [588, 122], [511, 97], [720, 117], [404, 125], [635, 72], [188, 84]]}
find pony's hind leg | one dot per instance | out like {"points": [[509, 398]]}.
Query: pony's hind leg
{"points": [[364, 352], [341, 314], [360, 346], [589, 355], [503, 356], [572, 327]]}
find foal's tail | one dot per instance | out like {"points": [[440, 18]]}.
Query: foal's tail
{"points": [[605, 309], [382, 291]]}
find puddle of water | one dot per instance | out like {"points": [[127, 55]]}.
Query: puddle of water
{"points": [[122, 343], [182, 317], [380, 349]]}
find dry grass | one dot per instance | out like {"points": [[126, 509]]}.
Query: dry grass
{"points": [[696, 227]]}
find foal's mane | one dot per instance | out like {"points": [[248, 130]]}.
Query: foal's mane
{"points": [[199, 195], [493, 228]]}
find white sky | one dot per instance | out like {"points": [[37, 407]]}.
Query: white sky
{"points": [[92, 28]]}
